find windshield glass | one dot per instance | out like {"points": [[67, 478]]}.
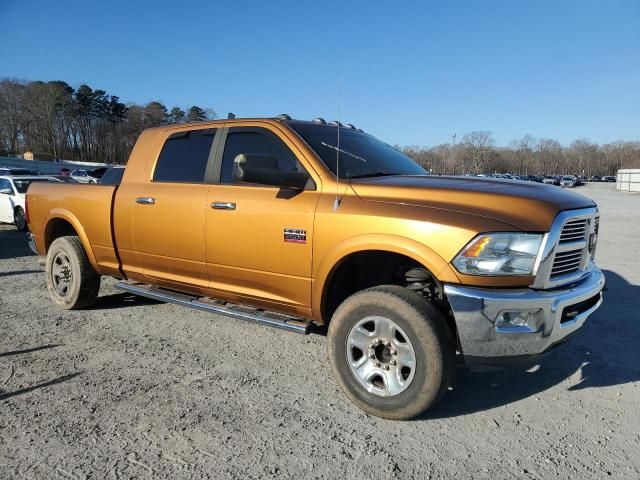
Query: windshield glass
{"points": [[23, 184], [361, 155]]}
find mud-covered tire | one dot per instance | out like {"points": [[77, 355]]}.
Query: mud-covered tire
{"points": [[71, 280], [427, 333], [19, 219]]}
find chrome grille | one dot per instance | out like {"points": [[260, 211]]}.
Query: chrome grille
{"points": [[567, 262], [574, 230], [565, 256]]}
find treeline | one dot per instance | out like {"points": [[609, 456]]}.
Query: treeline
{"points": [[477, 153], [55, 121]]}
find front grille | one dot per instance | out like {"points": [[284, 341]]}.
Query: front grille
{"points": [[574, 230], [567, 262], [565, 257]]}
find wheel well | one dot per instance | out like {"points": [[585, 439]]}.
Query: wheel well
{"points": [[366, 269], [56, 228]]}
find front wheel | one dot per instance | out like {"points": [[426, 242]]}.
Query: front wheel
{"points": [[20, 220], [391, 352]]}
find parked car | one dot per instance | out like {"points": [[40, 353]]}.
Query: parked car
{"points": [[83, 177], [551, 180], [65, 178], [113, 176], [595, 178], [65, 172], [609, 178], [400, 268], [568, 181], [12, 197]]}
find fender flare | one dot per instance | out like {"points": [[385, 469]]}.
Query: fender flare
{"points": [[382, 242], [63, 214]]}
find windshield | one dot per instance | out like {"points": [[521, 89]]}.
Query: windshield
{"points": [[360, 154], [23, 184]]}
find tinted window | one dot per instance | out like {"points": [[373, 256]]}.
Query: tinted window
{"points": [[256, 142], [5, 184], [360, 154], [113, 176], [184, 157]]}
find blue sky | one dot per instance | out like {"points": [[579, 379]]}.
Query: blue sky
{"points": [[412, 73]]}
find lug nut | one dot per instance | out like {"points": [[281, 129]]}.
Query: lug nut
{"points": [[373, 355], [379, 341], [373, 345], [393, 352], [378, 364], [393, 362], [387, 343], [386, 367]]}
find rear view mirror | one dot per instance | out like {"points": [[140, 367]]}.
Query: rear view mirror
{"points": [[6, 191], [263, 170]]}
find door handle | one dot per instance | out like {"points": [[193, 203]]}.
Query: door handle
{"points": [[146, 200], [223, 205]]}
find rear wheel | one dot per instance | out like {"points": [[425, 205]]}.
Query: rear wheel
{"points": [[391, 352], [71, 280], [19, 219]]}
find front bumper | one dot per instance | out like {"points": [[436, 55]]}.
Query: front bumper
{"points": [[553, 316]]}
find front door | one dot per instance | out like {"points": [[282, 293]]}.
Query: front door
{"points": [[169, 211], [259, 238]]}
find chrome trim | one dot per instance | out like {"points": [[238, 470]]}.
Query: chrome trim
{"points": [[552, 246], [477, 309], [270, 319], [146, 200], [223, 205]]}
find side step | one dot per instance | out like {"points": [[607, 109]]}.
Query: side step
{"points": [[256, 315]]}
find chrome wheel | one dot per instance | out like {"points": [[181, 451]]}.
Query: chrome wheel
{"points": [[61, 274], [380, 356]]}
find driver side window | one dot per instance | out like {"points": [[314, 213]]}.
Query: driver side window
{"points": [[260, 143], [6, 185]]}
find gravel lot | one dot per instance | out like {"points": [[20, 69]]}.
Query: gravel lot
{"points": [[137, 389]]}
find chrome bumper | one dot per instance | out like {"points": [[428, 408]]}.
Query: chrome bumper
{"points": [[553, 315]]}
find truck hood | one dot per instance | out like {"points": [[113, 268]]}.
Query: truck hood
{"points": [[527, 206]]}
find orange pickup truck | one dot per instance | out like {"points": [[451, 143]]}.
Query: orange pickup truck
{"points": [[307, 225]]}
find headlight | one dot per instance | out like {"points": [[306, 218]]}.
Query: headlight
{"points": [[500, 254]]}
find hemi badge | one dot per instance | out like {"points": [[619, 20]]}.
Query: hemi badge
{"points": [[295, 235]]}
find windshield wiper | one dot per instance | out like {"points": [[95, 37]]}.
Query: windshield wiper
{"points": [[379, 173]]}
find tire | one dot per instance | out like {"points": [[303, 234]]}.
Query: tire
{"points": [[19, 219], [71, 280], [397, 393]]}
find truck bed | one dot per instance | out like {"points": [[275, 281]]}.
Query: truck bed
{"points": [[86, 209]]}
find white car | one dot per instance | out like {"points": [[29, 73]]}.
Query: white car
{"points": [[12, 193], [83, 177], [568, 181]]}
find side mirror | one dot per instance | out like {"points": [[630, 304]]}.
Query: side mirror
{"points": [[263, 170], [6, 191]]}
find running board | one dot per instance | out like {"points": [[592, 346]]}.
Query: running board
{"points": [[263, 317]]}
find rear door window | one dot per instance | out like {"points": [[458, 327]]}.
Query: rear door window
{"points": [[184, 157]]}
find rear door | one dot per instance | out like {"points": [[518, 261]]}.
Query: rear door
{"points": [[169, 211]]}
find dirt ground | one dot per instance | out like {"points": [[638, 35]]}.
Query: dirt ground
{"points": [[137, 389]]}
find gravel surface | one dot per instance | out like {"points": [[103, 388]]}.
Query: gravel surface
{"points": [[137, 389]]}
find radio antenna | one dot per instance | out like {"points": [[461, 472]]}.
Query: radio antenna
{"points": [[336, 202]]}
